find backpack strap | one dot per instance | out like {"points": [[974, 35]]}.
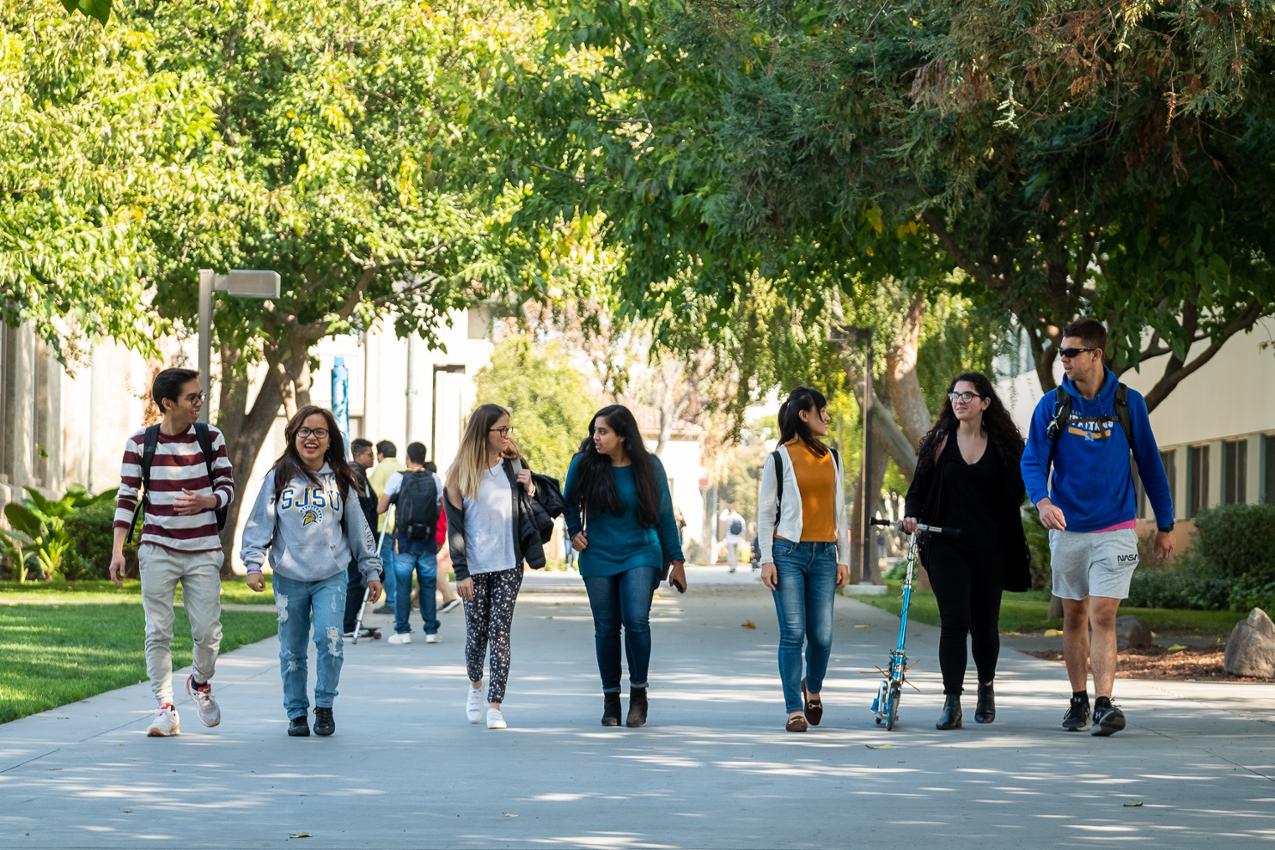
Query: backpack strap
{"points": [[779, 485], [150, 441], [1062, 415], [1122, 412], [204, 437]]}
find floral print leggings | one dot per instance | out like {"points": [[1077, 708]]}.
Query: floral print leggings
{"points": [[489, 617]]}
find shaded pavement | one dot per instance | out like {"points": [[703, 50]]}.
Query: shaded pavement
{"points": [[714, 768]]}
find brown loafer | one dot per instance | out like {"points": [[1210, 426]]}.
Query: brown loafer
{"points": [[796, 723], [813, 707]]}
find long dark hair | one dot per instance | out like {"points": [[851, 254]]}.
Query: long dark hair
{"points": [[1002, 433], [290, 466], [790, 422], [594, 488]]}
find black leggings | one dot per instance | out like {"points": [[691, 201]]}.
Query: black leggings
{"points": [[968, 588]]}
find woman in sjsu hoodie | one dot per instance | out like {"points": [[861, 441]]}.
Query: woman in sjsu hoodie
{"points": [[300, 516]]}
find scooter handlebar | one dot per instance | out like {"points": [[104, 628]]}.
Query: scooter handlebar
{"points": [[921, 528]]}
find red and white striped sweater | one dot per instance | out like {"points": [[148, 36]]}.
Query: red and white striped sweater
{"points": [[178, 465]]}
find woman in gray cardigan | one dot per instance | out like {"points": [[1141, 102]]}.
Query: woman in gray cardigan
{"points": [[301, 517]]}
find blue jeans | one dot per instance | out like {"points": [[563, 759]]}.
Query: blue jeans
{"points": [[807, 575], [296, 603], [387, 564], [425, 565], [623, 599]]}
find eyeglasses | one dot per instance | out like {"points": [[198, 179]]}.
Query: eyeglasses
{"points": [[504, 432], [966, 397], [319, 433], [194, 397], [1071, 353]]}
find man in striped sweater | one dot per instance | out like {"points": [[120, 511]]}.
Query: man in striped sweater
{"points": [[183, 489]]}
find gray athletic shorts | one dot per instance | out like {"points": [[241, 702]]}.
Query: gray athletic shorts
{"points": [[1093, 563]]}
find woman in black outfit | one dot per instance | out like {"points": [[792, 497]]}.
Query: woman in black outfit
{"points": [[967, 477]]}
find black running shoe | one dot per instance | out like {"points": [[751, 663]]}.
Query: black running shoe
{"points": [[324, 725], [1108, 719], [298, 727], [1077, 716]]}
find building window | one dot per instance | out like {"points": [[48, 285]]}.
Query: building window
{"points": [[1235, 472], [1197, 480], [1268, 470], [1169, 460]]}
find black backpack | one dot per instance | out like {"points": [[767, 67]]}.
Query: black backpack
{"points": [[1062, 416], [417, 506], [150, 441], [736, 526]]}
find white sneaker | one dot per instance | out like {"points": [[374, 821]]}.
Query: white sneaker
{"points": [[451, 606], [496, 720], [397, 638], [433, 639], [205, 706], [165, 724], [474, 705]]}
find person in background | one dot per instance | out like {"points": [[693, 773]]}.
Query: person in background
{"points": [[361, 452], [386, 465]]}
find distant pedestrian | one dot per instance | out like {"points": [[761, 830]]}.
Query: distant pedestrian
{"points": [[417, 494], [303, 516], [451, 599], [805, 553], [967, 478], [620, 517], [361, 452], [183, 474], [489, 541], [1084, 433], [387, 463], [734, 538]]}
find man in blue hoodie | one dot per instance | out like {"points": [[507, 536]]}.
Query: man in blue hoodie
{"points": [[1090, 508]]}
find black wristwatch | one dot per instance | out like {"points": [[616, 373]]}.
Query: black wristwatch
{"points": [[1166, 529]]}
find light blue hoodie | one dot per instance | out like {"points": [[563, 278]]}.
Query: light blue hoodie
{"points": [[1093, 480], [308, 531]]}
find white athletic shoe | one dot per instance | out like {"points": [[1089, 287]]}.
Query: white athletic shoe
{"points": [[433, 639], [496, 720], [451, 606], [205, 706], [165, 724], [474, 705], [397, 638]]}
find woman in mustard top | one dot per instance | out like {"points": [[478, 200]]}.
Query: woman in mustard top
{"points": [[805, 552]]}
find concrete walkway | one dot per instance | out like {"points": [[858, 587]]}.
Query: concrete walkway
{"points": [[714, 769]]}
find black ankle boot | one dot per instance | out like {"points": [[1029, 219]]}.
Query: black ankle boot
{"points": [[610, 709], [985, 711], [637, 708], [951, 716], [298, 727]]}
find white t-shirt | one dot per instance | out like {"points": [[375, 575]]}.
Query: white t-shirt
{"points": [[489, 536]]}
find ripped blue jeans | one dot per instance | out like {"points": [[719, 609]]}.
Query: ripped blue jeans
{"points": [[297, 602]]}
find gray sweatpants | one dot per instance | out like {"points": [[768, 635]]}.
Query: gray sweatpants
{"points": [[200, 575]]}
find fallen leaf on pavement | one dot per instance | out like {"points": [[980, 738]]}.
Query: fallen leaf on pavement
{"points": [[299, 835], [880, 746], [1177, 647], [1053, 633], [860, 625], [748, 624], [1136, 805], [509, 814]]}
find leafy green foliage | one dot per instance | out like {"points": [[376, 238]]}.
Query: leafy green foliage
{"points": [[38, 541], [98, 9], [1235, 540], [547, 396], [91, 532]]}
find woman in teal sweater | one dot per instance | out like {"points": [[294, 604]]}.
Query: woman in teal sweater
{"points": [[620, 519]]}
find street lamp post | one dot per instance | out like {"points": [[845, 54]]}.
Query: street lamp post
{"points": [[238, 283], [846, 334]]}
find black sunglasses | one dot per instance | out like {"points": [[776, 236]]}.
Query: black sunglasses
{"points": [[1070, 353]]}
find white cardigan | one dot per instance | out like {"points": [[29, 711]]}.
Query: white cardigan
{"points": [[789, 526]]}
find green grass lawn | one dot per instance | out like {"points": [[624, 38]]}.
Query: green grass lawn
{"points": [[1026, 613], [54, 654], [233, 591]]}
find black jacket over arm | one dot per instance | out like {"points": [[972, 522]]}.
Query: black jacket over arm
{"points": [[527, 546]]}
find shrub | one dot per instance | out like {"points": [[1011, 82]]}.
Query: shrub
{"points": [[1187, 587], [1235, 540], [1253, 591], [91, 532], [1038, 543]]}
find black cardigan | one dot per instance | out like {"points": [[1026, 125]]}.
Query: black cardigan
{"points": [[1015, 556], [527, 546]]}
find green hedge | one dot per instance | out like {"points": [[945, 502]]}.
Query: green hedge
{"points": [[91, 530], [1237, 540]]}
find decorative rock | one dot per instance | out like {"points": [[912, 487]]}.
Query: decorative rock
{"points": [[1132, 633], [1250, 651]]}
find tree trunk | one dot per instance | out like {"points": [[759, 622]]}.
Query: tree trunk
{"points": [[900, 374]]}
